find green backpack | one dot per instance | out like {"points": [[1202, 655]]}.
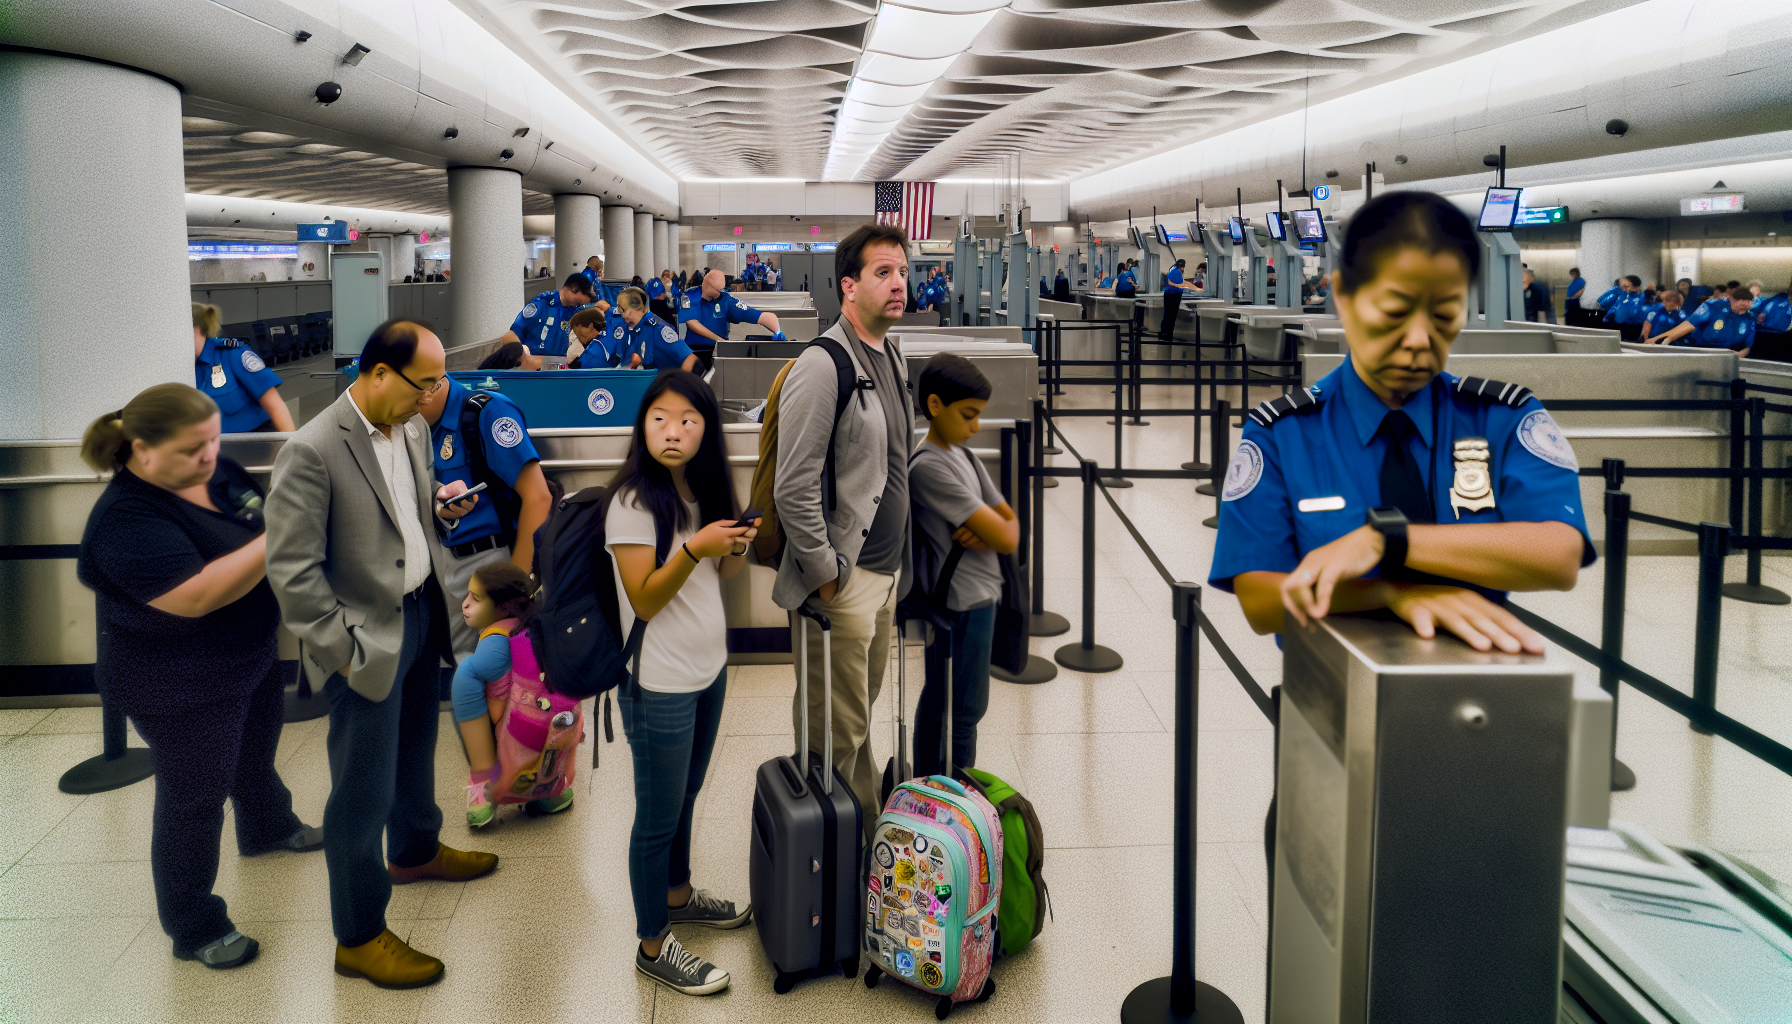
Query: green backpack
{"points": [[1026, 902]]}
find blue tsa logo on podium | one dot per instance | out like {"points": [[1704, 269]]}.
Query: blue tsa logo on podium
{"points": [[1322, 192], [600, 401]]}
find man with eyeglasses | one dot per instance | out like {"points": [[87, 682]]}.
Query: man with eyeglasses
{"points": [[356, 564]]}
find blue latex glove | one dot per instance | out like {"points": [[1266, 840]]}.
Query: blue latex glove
{"points": [[779, 336]]}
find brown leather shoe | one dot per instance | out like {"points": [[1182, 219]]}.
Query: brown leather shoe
{"points": [[449, 865], [389, 963]]}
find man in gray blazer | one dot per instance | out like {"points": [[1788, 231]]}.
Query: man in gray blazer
{"points": [[846, 538], [356, 563]]}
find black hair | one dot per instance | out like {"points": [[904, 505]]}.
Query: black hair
{"points": [[707, 474], [393, 343], [578, 283], [1635, 281], [511, 591], [635, 281], [507, 357], [849, 257], [1574, 270], [1182, 263], [952, 377], [1733, 285], [1395, 220], [587, 318]]}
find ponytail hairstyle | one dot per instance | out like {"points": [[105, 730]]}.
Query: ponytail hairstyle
{"points": [[208, 319], [154, 416], [512, 592]]}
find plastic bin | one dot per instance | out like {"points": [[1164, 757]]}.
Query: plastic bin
{"points": [[567, 398]]}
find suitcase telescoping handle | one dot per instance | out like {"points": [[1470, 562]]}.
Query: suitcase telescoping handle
{"points": [[804, 614], [899, 726]]}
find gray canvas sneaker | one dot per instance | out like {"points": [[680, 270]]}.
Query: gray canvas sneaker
{"points": [[706, 909], [681, 970]]}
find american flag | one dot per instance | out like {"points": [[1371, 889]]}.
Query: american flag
{"points": [[906, 204]]}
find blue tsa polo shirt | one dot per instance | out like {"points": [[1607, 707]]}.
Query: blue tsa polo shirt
{"points": [[1774, 312], [1126, 282], [715, 314], [545, 324], [1718, 327], [504, 438], [232, 375], [1174, 277], [656, 341], [1308, 467], [1661, 320]]}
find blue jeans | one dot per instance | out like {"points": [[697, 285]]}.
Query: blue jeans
{"points": [[970, 639], [671, 736]]}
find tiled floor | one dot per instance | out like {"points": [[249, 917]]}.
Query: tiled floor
{"points": [[549, 936]]}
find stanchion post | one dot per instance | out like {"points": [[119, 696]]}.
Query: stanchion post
{"points": [[1179, 997], [1738, 430], [1221, 457], [116, 766], [1753, 591], [1087, 656], [1119, 414], [1617, 571], [1195, 465], [1135, 360], [1714, 543], [1040, 622]]}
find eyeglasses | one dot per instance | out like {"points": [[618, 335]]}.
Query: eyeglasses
{"points": [[426, 390]]}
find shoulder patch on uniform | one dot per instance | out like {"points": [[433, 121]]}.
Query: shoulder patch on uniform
{"points": [[1494, 391], [507, 432], [529, 310], [252, 362], [667, 334], [1244, 472], [1541, 437], [617, 333], [1268, 412]]}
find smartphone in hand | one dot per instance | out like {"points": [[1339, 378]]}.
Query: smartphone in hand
{"points": [[748, 516], [461, 497]]}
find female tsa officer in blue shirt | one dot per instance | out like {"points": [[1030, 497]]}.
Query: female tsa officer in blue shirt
{"points": [[647, 341], [1390, 483], [1725, 323], [247, 393]]}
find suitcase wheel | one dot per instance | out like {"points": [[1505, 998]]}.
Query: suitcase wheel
{"points": [[850, 966], [943, 1008], [783, 983], [989, 989], [873, 975]]}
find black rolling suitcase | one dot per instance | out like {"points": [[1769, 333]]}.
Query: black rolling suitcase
{"points": [[808, 829]]}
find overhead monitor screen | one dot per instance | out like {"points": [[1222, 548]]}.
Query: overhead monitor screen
{"points": [[1138, 237], [1309, 225], [1500, 209], [719, 246], [1277, 230], [241, 251], [1712, 204], [1195, 234], [1174, 236], [772, 247], [1534, 215], [335, 232], [822, 246], [1162, 233], [1235, 228]]}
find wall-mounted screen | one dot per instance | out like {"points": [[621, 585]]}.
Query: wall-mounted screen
{"points": [[1712, 204], [823, 246], [1235, 228], [334, 232], [1137, 236], [719, 247], [1162, 233], [1196, 234], [1309, 225], [1535, 215], [1499, 210], [1278, 229], [240, 251], [773, 247]]}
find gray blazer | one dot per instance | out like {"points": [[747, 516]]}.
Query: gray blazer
{"points": [[334, 551], [820, 545]]}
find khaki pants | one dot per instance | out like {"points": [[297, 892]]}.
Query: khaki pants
{"points": [[860, 617]]}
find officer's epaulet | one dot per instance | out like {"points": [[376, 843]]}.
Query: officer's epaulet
{"points": [[228, 343], [1494, 391], [1268, 412]]}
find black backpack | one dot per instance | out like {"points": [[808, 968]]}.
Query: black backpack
{"points": [[501, 494], [577, 627]]}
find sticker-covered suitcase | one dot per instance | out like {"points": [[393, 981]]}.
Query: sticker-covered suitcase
{"points": [[808, 830]]}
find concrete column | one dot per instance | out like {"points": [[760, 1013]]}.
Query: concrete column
{"points": [[674, 261], [662, 257], [644, 246], [403, 257], [619, 242], [91, 155], [578, 232], [318, 255], [1611, 248], [486, 210], [382, 244]]}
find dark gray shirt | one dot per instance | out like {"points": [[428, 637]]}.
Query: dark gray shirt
{"points": [[883, 545], [949, 487]]}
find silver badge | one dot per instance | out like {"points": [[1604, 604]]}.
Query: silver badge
{"points": [[1473, 488], [217, 376], [447, 447]]}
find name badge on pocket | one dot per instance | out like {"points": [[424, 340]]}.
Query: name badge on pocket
{"points": [[1335, 503]]}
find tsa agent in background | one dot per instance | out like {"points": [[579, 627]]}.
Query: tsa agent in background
{"points": [[1664, 316], [1773, 320], [708, 309], [1173, 289], [591, 341], [545, 323], [1724, 326], [245, 391], [648, 343], [602, 295]]}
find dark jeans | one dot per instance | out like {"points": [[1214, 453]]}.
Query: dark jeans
{"points": [[383, 779], [969, 641], [202, 755], [1172, 302], [671, 736]]}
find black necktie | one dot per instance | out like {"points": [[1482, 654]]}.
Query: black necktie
{"points": [[1402, 485]]}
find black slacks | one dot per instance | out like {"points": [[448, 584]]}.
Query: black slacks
{"points": [[382, 777], [203, 755], [1172, 302]]}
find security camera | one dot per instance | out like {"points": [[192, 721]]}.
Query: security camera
{"points": [[328, 93], [1616, 127], [452, 133], [505, 156]]}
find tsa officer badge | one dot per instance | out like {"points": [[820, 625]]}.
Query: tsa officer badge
{"points": [[1473, 487]]}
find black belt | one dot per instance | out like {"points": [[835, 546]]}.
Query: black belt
{"points": [[473, 547]]}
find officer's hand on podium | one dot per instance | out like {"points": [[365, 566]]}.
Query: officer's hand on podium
{"points": [[1478, 621]]}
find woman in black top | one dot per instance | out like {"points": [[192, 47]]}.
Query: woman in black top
{"points": [[176, 553]]}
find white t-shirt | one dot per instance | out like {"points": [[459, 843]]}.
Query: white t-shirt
{"points": [[686, 645]]}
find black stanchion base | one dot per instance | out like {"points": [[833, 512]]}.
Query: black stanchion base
{"points": [[1092, 659], [1051, 449], [1048, 624], [1211, 522], [1150, 1004], [1623, 779], [314, 706], [1115, 482], [1038, 670], [1755, 593], [1050, 481], [98, 775], [1197, 467], [1206, 489]]}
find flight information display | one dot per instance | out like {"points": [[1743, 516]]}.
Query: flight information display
{"points": [[1235, 228], [1309, 225], [1500, 209]]}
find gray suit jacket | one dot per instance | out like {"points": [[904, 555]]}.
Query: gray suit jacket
{"points": [[335, 555]]}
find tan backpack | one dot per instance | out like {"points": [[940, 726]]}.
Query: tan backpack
{"points": [[769, 545]]}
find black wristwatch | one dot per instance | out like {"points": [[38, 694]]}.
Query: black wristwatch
{"points": [[1390, 522]]}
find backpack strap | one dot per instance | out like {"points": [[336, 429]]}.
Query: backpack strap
{"points": [[473, 438], [849, 381]]}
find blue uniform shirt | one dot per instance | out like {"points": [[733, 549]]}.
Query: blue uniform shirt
{"points": [[1661, 320], [545, 324], [1575, 288], [1775, 312], [1308, 467], [655, 341], [1610, 298], [656, 289], [1718, 327], [715, 314], [1126, 282], [1173, 277], [508, 451], [233, 376], [1627, 308]]}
